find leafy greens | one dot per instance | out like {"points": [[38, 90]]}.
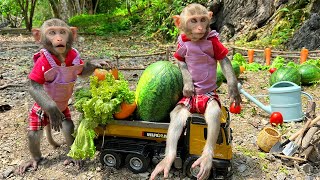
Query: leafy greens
{"points": [[97, 104]]}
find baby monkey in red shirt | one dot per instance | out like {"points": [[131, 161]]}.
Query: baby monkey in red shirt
{"points": [[198, 52], [52, 80]]}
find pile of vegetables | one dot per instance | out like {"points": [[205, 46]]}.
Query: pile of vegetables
{"points": [[255, 67], [305, 74], [98, 104]]}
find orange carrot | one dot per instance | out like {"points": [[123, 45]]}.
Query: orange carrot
{"points": [[267, 55], [250, 55], [303, 55], [114, 72]]}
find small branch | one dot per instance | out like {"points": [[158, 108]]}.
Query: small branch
{"points": [[290, 157], [10, 85]]}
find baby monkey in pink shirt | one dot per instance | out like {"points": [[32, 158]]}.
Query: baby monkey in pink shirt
{"points": [[198, 52]]}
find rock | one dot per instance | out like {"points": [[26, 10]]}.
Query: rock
{"points": [[308, 35], [8, 171], [241, 168], [144, 175], [307, 168], [235, 17], [15, 162], [281, 176], [98, 169]]}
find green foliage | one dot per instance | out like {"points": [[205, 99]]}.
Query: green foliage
{"points": [[239, 59], [153, 18], [101, 24], [41, 12], [159, 15], [249, 67], [314, 62], [278, 62], [9, 7], [107, 6]]}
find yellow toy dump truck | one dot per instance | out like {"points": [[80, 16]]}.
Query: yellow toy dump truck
{"points": [[137, 144]]}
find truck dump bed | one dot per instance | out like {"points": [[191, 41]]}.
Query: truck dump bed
{"points": [[135, 129]]}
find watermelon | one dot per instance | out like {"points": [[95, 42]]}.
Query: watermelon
{"points": [[285, 74], [220, 78], [236, 69], [220, 74], [158, 91], [309, 73]]}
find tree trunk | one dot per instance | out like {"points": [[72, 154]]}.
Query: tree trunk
{"points": [[128, 7], [83, 6], [54, 7], [90, 7], [32, 8], [78, 8], [24, 8], [64, 10], [95, 7]]}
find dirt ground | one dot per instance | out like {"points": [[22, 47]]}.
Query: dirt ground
{"points": [[248, 162]]}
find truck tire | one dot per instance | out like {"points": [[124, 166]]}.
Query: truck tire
{"points": [[110, 159], [137, 163], [191, 172]]}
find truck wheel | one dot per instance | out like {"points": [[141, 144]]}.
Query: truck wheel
{"points": [[192, 172], [187, 167], [137, 163], [110, 159]]}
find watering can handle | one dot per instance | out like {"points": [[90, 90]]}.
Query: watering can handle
{"points": [[308, 95], [310, 109]]}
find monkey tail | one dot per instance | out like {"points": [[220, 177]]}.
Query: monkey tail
{"points": [[51, 141]]}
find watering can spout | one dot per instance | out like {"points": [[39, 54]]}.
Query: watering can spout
{"points": [[254, 100]]}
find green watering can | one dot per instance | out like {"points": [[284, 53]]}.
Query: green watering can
{"points": [[285, 97]]}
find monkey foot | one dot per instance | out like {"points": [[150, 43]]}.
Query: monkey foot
{"points": [[69, 161], [26, 165]]}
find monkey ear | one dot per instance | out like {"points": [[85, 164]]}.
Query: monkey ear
{"points": [[176, 19], [36, 33], [210, 14], [74, 32]]}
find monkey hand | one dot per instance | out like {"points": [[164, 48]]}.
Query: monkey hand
{"points": [[163, 166], [90, 66], [188, 89], [56, 117], [233, 94], [23, 167], [205, 164], [99, 64]]}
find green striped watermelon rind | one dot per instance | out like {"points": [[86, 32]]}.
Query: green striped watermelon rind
{"points": [[309, 74], [285, 74], [220, 76], [159, 89]]}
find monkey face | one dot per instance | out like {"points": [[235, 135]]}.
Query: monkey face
{"points": [[197, 27], [58, 36]]}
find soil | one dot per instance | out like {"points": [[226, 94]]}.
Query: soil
{"points": [[249, 162]]}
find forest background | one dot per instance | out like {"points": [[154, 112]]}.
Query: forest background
{"points": [[269, 23], [128, 30]]}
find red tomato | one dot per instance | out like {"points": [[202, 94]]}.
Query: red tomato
{"points": [[276, 119], [235, 109], [271, 70]]}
